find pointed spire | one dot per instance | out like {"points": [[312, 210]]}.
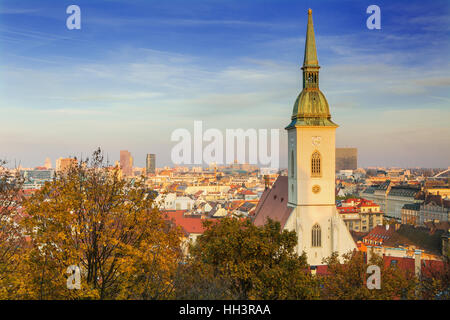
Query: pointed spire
{"points": [[310, 44], [311, 107]]}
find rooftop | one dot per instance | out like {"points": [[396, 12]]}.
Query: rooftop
{"points": [[404, 191], [273, 203], [189, 223]]}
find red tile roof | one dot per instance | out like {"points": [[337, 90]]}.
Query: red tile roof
{"points": [[273, 203], [407, 264], [348, 209], [428, 267], [379, 234], [190, 224]]}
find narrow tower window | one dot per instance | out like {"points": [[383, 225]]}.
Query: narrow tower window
{"points": [[292, 164], [316, 170], [316, 236]]}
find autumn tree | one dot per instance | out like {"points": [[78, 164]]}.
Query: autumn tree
{"points": [[11, 239], [243, 261], [197, 281], [435, 279], [346, 279], [107, 226]]}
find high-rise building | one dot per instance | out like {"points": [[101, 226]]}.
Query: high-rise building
{"points": [[346, 159], [304, 201], [48, 163], [150, 163], [64, 164], [126, 163]]}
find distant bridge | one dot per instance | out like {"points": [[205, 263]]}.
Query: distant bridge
{"points": [[441, 173]]}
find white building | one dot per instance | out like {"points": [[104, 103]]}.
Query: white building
{"points": [[305, 200], [166, 201], [170, 201]]}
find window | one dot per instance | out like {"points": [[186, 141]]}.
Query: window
{"points": [[311, 79], [316, 234], [316, 170], [292, 164]]}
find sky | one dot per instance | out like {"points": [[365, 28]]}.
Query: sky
{"points": [[139, 69]]}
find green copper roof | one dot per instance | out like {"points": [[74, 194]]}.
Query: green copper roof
{"points": [[311, 122], [310, 44], [311, 107]]}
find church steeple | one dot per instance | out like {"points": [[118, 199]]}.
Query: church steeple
{"points": [[311, 180], [311, 107], [310, 63], [310, 44]]}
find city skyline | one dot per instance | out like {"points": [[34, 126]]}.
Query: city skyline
{"points": [[137, 70], [222, 188], [346, 161]]}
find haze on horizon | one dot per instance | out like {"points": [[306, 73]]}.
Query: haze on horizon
{"points": [[138, 70]]}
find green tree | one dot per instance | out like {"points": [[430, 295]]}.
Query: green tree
{"points": [[248, 262], [346, 279], [435, 281]]}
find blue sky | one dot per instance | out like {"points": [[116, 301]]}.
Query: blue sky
{"points": [[137, 70]]}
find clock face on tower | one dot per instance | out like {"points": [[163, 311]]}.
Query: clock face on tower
{"points": [[316, 141], [316, 189]]}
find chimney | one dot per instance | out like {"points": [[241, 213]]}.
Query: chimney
{"points": [[266, 182]]}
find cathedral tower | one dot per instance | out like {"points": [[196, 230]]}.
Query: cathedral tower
{"points": [[311, 170]]}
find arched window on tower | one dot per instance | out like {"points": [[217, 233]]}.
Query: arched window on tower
{"points": [[316, 236], [316, 170]]}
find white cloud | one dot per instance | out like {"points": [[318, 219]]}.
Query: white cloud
{"points": [[135, 96]]}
